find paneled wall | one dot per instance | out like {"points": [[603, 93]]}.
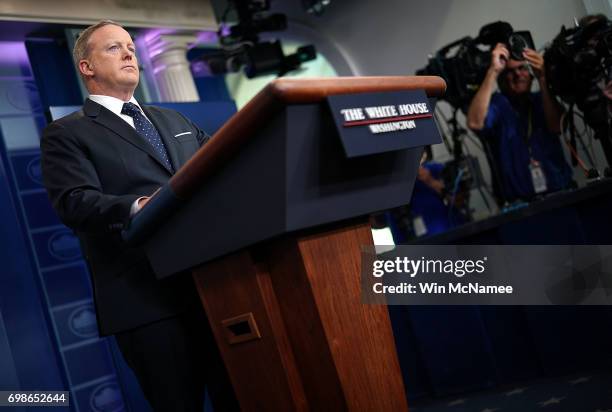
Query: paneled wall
{"points": [[48, 328]]}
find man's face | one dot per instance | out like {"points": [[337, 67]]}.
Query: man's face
{"points": [[517, 77], [112, 58]]}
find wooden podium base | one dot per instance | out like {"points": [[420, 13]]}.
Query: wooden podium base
{"points": [[292, 330]]}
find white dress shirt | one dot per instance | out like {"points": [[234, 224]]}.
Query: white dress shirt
{"points": [[116, 105]]}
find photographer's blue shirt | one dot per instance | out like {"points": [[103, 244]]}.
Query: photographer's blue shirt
{"points": [[428, 204], [507, 130]]}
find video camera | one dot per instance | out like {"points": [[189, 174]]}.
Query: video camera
{"points": [[578, 69], [501, 32], [579, 63], [242, 48], [464, 62]]}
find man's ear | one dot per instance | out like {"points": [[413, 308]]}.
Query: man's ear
{"points": [[86, 68]]}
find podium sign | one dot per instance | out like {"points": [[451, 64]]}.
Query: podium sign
{"points": [[370, 123]]}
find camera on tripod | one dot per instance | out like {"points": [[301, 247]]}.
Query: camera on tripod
{"points": [[579, 68]]}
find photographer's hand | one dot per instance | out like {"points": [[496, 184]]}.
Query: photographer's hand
{"points": [[424, 175], [536, 61], [552, 109], [499, 58]]}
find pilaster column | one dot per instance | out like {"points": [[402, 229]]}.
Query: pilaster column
{"points": [[168, 57]]}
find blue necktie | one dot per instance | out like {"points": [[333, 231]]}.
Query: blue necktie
{"points": [[146, 129]]}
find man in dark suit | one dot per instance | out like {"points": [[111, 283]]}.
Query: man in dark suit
{"points": [[100, 165]]}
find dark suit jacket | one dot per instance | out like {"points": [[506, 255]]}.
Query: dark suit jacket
{"points": [[95, 166]]}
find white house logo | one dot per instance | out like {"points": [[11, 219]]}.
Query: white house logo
{"points": [[384, 119], [63, 245], [34, 171], [106, 398], [82, 322]]}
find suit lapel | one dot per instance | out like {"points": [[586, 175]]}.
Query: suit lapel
{"points": [[114, 123], [166, 136]]}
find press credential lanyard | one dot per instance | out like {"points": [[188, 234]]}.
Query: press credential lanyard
{"points": [[537, 174]]}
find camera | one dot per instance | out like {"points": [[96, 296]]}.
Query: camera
{"points": [[463, 63], [502, 32], [463, 66], [578, 68], [518, 42], [243, 49], [252, 20]]}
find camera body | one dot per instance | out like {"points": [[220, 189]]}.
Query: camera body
{"points": [[502, 32], [518, 42]]}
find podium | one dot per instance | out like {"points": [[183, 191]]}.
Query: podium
{"points": [[270, 218]]}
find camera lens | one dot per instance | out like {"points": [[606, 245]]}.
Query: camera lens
{"points": [[517, 45]]}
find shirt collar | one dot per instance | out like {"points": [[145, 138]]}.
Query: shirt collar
{"points": [[112, 103]]}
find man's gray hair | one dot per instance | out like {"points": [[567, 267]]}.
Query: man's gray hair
{"points": [[81, 46]]}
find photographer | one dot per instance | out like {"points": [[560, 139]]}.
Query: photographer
{"points": [[521, 126], [436, 208]]}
